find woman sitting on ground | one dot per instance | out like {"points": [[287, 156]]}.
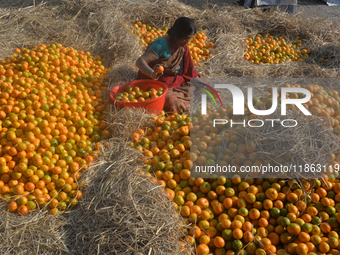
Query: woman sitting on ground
{"points": [[173, 53]]}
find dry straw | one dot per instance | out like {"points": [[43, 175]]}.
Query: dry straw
{"points": [[123, 212], [39, 233]]}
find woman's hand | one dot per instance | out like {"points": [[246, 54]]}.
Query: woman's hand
{"points": [[155, 75], [143, 64]]}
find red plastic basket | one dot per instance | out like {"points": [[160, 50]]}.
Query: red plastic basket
{"points": [[154, 105]]}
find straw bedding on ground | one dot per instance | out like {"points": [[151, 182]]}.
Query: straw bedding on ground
{"points": [[121, 211], [40, 233]]}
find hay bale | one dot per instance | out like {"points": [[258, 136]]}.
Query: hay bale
{"points": [[39, 233], [122, 211]]}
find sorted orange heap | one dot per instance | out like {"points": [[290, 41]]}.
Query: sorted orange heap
{"points": [[273, 50], [199, 46], [230, 216], [52, 117]]}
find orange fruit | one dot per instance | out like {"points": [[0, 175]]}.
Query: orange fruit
{"points": [[160, 69]]}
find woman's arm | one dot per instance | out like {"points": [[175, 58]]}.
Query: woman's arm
{"points": [[143, 61]]}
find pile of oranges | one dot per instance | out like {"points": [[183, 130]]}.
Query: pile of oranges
{"points": [[137, 95], [325, 104], [230, 216], [199, 47], [52, 117], [273, 50], [148, 34]]}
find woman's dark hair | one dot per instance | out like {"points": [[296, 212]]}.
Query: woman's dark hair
{"points": [[182, 27]]}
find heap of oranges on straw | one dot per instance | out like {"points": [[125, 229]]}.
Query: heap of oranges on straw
{"points": [[52, 118], [199, 47], [273, 50], [231, 216]]}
